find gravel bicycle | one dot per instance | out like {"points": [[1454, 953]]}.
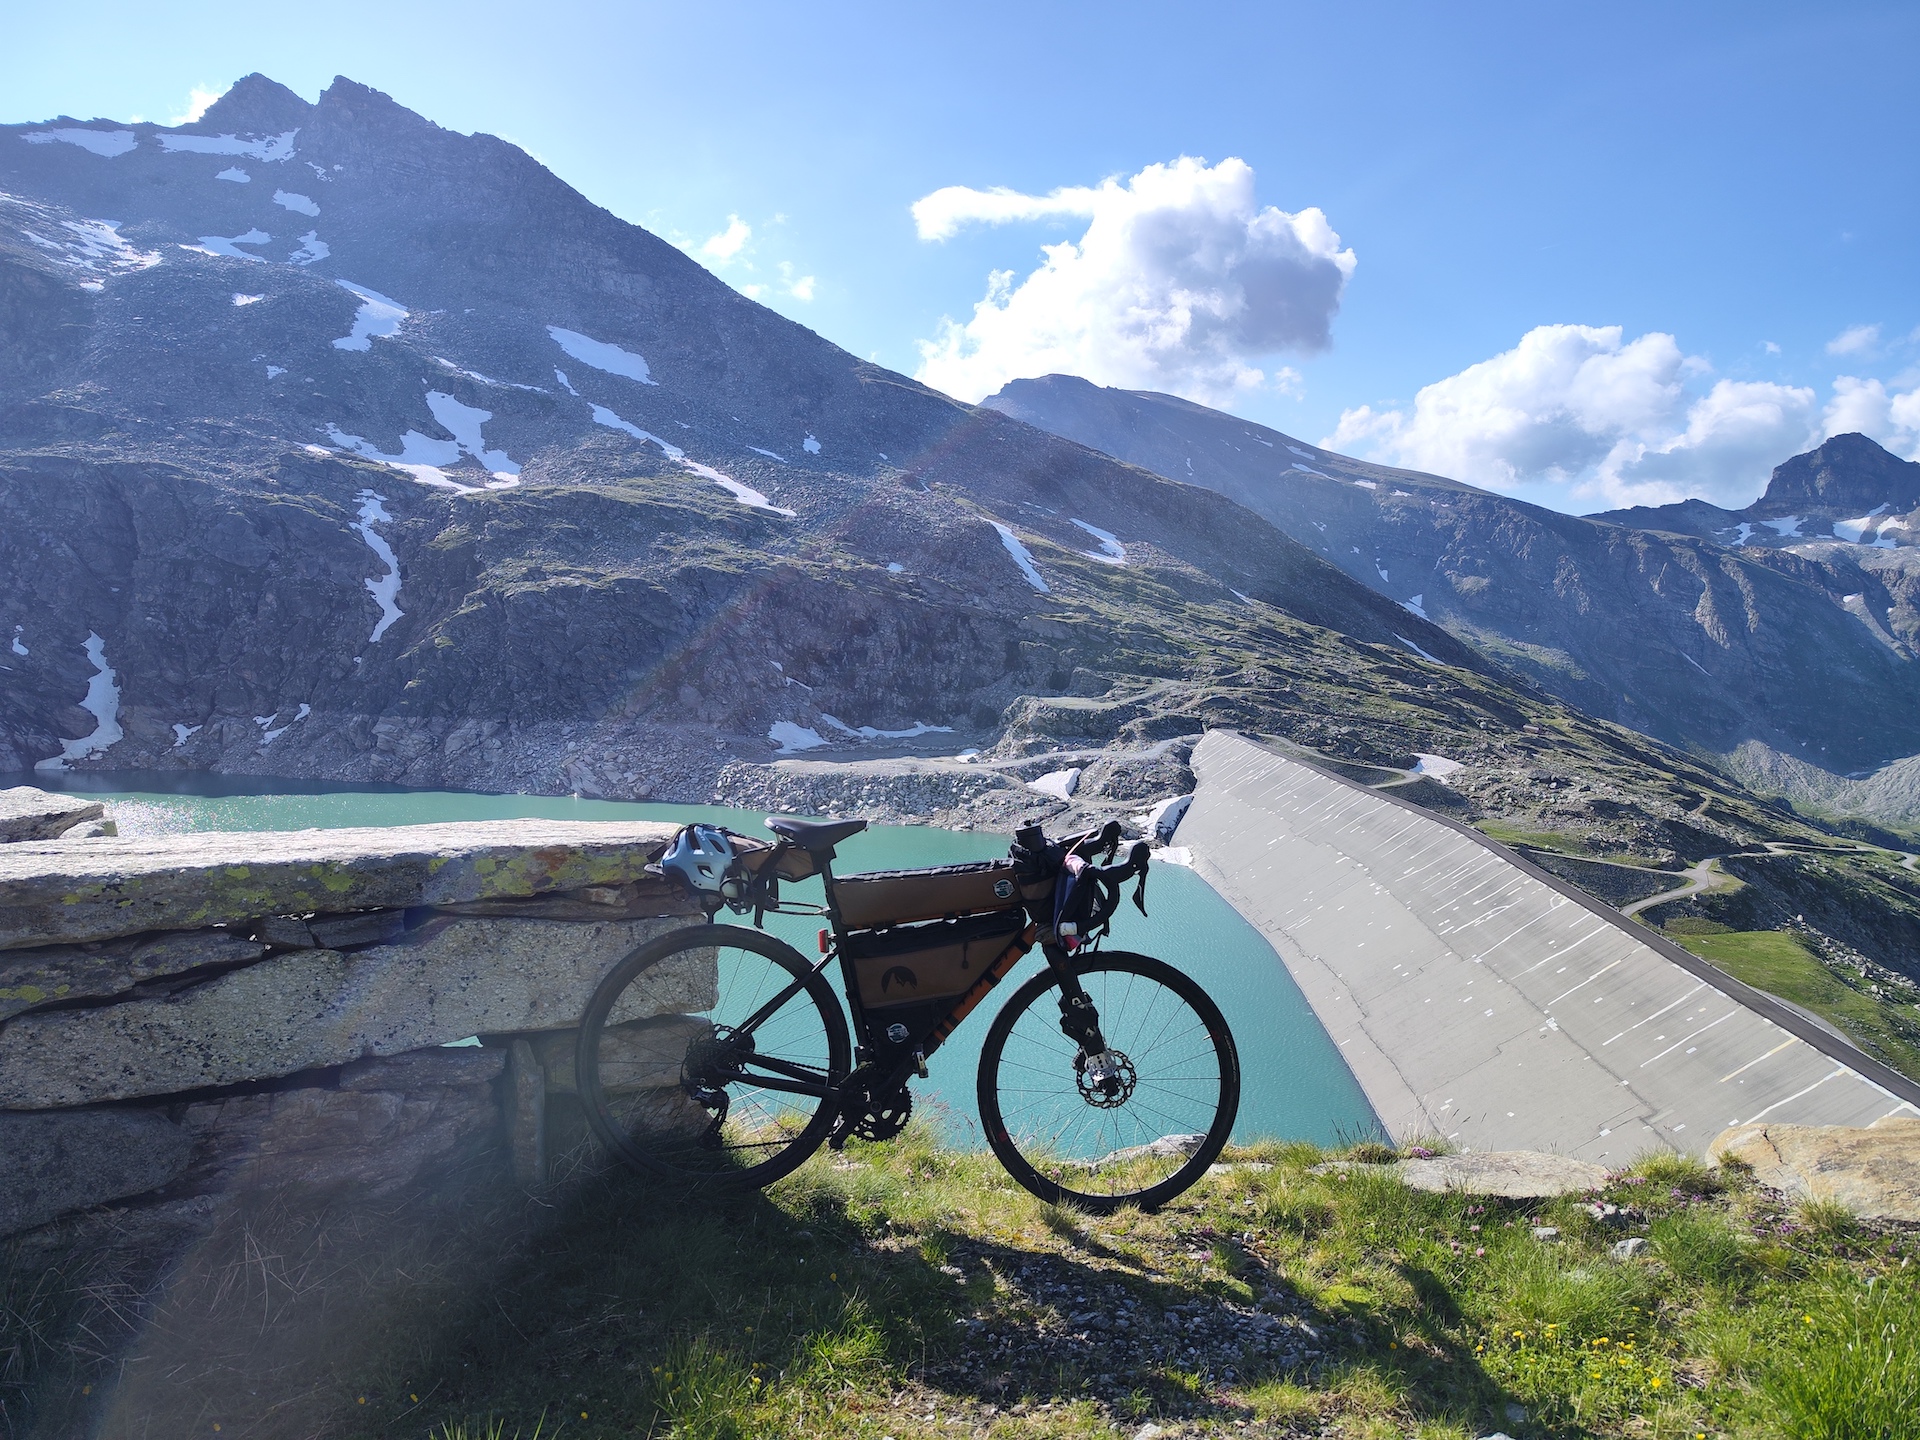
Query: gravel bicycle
{"points": [[1108, 1078]]}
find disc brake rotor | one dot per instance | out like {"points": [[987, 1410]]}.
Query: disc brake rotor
{"points": [[1106, 1081]]}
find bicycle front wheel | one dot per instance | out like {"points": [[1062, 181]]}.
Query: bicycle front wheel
{"points": [[737, 1088], [1145, 1130]]}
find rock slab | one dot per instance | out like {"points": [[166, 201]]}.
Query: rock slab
{"points": [[28, 813], [55, 1164], [69, 891], [309, 1009], [1511, 1174], [30, 978], [1873, 1170]]}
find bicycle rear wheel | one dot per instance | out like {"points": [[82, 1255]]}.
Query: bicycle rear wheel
{"points": [[1141, 1142], [735, 1091]]}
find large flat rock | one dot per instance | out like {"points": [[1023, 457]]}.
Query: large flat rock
{"points": [[55, 891], [65, 973], [27, 813], [307, 1009], [1511, 1174], [73, 1160], [1873, 1170]]}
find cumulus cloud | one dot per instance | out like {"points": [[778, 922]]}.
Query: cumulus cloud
{"points": [[1581, 413], [1890, 416], [1181, 281], [1855, 340], [729, 242], [799, 286], [199, 100]]}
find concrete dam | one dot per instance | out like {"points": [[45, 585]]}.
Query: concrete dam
{"points": [[1479, 999]]}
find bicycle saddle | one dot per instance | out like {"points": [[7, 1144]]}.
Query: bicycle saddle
{"points": [[814, 836]]}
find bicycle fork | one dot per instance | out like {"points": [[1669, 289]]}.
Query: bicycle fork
{"points": [[1100, 1070]]}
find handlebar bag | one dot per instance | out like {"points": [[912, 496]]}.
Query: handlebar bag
{"points": [[899, 897]]}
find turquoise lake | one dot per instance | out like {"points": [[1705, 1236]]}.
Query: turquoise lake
{"points": [[1294, 1083]]}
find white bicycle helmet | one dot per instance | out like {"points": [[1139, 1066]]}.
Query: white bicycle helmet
{"points": [[703, 859]]}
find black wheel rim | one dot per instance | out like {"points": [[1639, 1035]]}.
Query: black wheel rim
{"points": [[729, 1088], [1139, 1133]]}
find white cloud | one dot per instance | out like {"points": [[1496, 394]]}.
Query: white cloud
{"points": [[800, 287], [199, 101], [1770, 347], [1855, 340], [1868, 407], [1579, 413], [1180, 282], [729, 242]]}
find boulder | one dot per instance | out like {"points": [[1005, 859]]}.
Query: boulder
{"points": [[75, 1159], [30, 978], [370, 1141], [1874, 1170], [58, 891], [640, 1055], [307, 1009], [1511, 1174], [27, 813]]}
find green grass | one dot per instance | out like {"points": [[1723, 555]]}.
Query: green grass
{"points": [[910, 1291], [1777, 962]]}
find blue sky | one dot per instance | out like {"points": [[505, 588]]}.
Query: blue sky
{"points": [[1733, 186]]}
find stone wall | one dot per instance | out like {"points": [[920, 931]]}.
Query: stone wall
{"points": [[187, 1019]]}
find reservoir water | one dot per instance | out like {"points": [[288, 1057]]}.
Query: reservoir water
{"points": [[1294, 1083]]}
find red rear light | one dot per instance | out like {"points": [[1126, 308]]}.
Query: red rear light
{"points": [[823, 941]]}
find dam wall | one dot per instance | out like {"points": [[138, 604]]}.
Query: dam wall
{"points": [[1478, 999]]}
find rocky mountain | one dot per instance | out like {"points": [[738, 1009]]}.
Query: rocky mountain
{"points": [[1850, 489], [335, 443], [1805, 648]]}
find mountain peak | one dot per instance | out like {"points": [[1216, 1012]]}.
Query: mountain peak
{"points": [[1850, 473], [256, 105]]}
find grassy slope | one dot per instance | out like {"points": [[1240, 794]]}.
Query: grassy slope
{"points": [[1778, 962], [908, 1291]]}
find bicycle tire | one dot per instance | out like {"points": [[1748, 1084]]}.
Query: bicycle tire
{"points": [[653, 1129], [1022, 1132]]}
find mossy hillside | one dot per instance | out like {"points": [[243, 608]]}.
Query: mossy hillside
{"points": [[911, 1291]]}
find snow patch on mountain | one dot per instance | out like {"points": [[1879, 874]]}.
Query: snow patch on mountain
{"points": [[1413, 605], [385, 589], [1424, 655], [102, 701], [1438, 766], [810, 445], [312, 248], [1111, 551], [867, 732], [601, 355], [791, 738], [107, 143], [1786, 528], [270, 148], [226, 245], [1060, 783], [377, 318], [236, 175], [97, 245], [299, 204], [745, 494], [424, 457], [1022, 557]]}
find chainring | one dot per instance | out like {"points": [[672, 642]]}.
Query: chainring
{"points": [[884, 1117]]}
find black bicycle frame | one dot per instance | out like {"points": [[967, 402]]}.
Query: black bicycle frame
{"points": [[912, 1054]]}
